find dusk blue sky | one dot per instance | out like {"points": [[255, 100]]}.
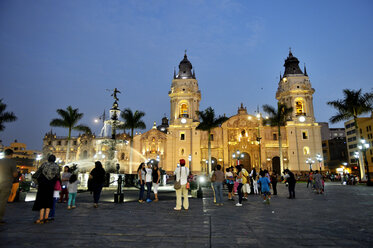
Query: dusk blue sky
{"points": [[59, 53]]}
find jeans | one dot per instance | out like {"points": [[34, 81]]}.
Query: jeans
{"points": [[291, 190], [274, 186], [148, 189], [218, 187], [239, 191], [142, 189], [64, 194], [53, 209], [71, 201], [97, 193]]}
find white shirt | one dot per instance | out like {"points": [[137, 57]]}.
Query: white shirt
{"points": [[183, 176], [148, 176]]}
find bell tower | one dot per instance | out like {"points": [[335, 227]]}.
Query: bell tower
{"points": [[303, 133], [184, 95], [294, 90]]}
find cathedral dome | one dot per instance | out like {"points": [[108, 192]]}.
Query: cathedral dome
{"points": [[185, 69], [292, 65]]}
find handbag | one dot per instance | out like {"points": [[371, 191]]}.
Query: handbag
{"points": [[177, 184], [37, 174], [213, 178]]}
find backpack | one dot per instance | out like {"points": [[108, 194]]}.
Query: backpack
{"points": [[245, 176]]}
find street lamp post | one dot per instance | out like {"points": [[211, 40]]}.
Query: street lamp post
{"points": [[258, 138], [190, 162], [357, 156], [310, 162], [364, 146], [319, 159], [237, 155]]}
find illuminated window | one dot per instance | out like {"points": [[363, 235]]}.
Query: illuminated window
{"points": [[299, 106], [306, 150], [184, 110]]}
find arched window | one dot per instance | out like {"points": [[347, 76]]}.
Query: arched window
{"points": [[306, 150], [184, 110], [299, 106]]}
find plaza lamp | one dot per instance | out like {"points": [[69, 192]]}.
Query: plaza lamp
{"points": [[258, 116], [364, 146], [310, 162], [319, 159], [357, 156], [238, 155], [190, 162]]}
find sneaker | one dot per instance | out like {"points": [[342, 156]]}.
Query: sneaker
{"points": [[264, 201], [69, 207], [95, 205], [73, 207], [177, 209], [238, 205], [155, 200], [141, 201], [148, 200]]}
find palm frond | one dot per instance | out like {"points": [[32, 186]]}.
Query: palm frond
{"points": [[82, 128]]}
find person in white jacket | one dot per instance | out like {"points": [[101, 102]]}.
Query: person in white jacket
{"points": [[182, 173]]}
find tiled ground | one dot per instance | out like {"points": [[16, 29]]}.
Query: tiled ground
{"points": [[342, 217]]}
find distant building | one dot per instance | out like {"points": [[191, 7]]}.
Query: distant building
{"points": [[328, 133], [334, 146], [353, 139], [25, 159]]}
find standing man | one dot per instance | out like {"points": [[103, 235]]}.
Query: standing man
{"points": [[8, 171], [181, 174], [290, 179], [274, 182]]}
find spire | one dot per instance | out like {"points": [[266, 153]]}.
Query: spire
{"points": [[280, 76], [194, 74], [155, 125], [291, 65], [305, 71], [174, 72]]}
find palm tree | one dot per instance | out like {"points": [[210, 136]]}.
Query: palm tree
{"points": [[69, 119], [5, 116], [277, 118], [209, 122], [132, 121], [354, 104]]}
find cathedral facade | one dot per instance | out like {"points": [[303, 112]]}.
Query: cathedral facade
{"points": [[178, 138]]}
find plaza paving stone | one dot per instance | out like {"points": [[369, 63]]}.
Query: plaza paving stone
{"points": [[342, 217]]}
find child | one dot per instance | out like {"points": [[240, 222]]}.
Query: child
{"points": [[56, 196], [265, 185], [72, 186]]}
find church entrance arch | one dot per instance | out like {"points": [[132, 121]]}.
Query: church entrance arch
{"points": [[276, 165], [246, 161]]}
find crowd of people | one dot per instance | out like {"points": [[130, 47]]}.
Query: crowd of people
{"points": [[55, 187], [239, 181]]}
